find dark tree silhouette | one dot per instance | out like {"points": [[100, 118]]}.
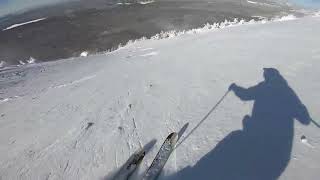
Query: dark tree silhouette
{"points": [[262, 149]]}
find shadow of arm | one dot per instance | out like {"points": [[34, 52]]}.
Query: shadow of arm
{"points": [[302, 115], [245, 94]]}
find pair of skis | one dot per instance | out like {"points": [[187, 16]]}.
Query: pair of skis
{"points": [[157, 164]]}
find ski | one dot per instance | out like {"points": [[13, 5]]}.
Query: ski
{"points": [[161, 158], [130, 166]]}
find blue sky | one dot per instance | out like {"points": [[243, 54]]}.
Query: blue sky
{"points": [[2, 2], [308, 3], [12, 6]]}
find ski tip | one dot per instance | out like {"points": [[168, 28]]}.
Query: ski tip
{"points": [[139, 155], [136, 159], [173, 137]]}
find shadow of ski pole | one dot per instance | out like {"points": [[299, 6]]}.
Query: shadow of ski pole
{"points": [[203, 119], [315, 123], [182, 130]]}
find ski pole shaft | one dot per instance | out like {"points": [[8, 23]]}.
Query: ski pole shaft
{"points": [[204, 118], [315, 123]]}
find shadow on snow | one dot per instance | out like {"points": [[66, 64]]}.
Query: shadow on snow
{"points": [[262, 149]]}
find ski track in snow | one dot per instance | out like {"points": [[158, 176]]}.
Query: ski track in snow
{"points": [[22, 24], [150, 54], [146, 2], [261, 4], [144, 50], [75, 82], [138, 2]]}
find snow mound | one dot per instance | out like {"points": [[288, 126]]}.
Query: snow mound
{"points": [[2, 64], [21, 62], [289, 17], [317, 14], [31, 60], [305, 141], [84, 54]]}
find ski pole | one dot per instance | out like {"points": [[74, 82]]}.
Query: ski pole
{"points": [[204, 118], [315, 123]]}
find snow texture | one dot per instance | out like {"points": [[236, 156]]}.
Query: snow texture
{"points": [[82, 118]]}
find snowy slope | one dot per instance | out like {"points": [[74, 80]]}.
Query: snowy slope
{"points": [[82, 118]]}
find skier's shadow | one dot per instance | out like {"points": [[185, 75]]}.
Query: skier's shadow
{"points": [[262, 149]]}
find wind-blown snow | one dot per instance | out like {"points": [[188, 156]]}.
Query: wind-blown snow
{"points": [[22, 24], [286, 18], [213, 27], [82, 118]]}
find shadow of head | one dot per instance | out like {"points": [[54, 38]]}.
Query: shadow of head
{"points": [[270, 74]]}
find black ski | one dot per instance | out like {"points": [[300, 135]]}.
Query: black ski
{"points": [[161, 158]]}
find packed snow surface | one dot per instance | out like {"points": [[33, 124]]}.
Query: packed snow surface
{"points": [[82, 118]]}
